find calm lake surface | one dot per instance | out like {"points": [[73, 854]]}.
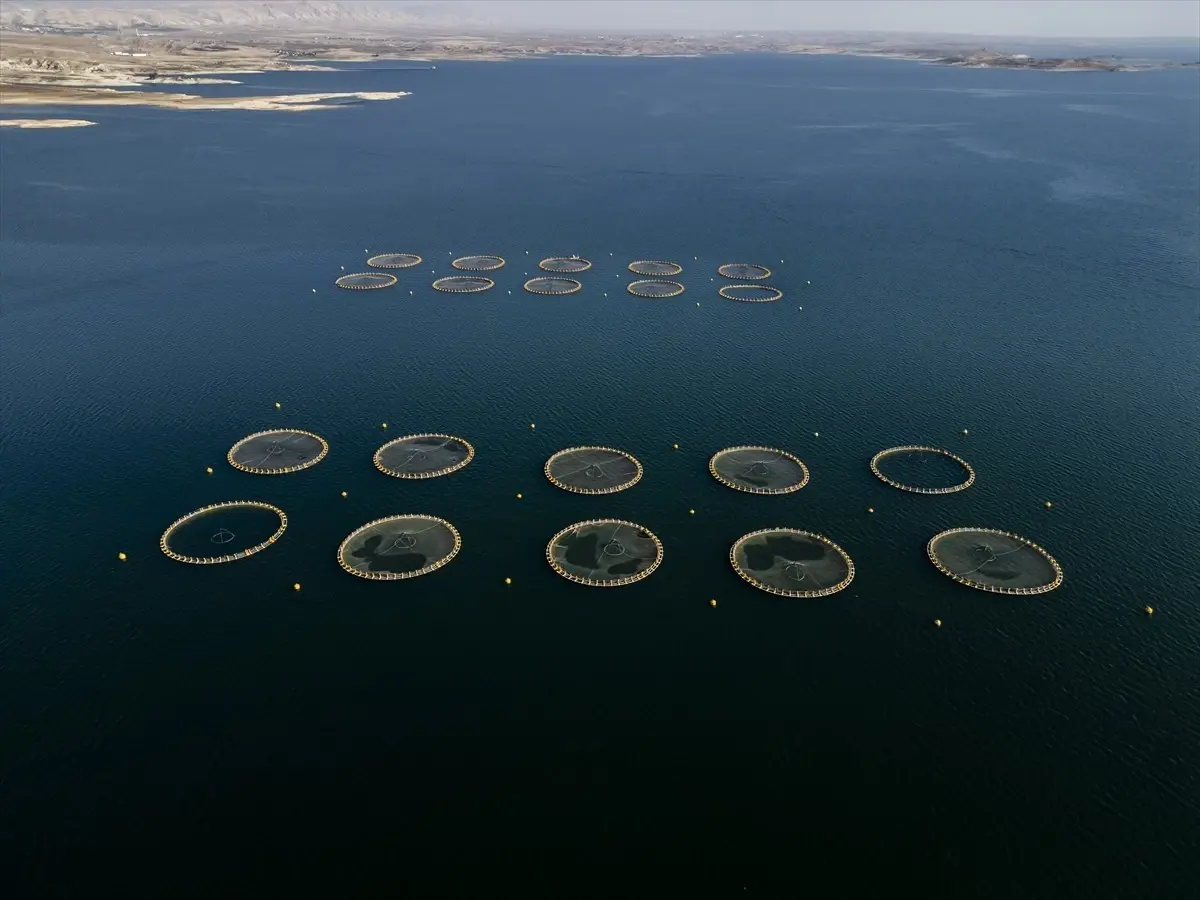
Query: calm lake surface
{"points": [[1013, 253]]}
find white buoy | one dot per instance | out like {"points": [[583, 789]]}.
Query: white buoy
{"points": [[314, 290]]}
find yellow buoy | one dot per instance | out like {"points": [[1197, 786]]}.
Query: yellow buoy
{"points": [[296, 586], [675, 446], [531, 425], [518, 496], [121, 557], [1149, 609], [385, 424], [712, 602], [343, 493], [937, 622], [1048, 504], [277, 406], [208, 470], [691, 512], [508, 581], [870, 509]]}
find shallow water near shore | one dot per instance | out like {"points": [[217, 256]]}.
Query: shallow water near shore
{"points": [[1013, 253]]}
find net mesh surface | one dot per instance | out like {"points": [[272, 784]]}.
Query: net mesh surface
{"points": [[922, 470], [792, 563], [423, 455], [604, 552], [564, 264], [552, 285], [394, 260], [223, 532], [655, 289], [655, 267], [478, 263], [750, 293], [463, 284], [758, 470], [398, 547], [593, 470], [996, 561], [278, 451], [366, 281], [744, 271]]}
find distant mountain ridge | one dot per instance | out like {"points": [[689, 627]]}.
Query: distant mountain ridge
{"points": [[278, 15]]}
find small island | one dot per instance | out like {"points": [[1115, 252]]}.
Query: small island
{"points": [[44, 123]]}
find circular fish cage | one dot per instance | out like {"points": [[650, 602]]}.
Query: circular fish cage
{"points": [[593, 470], [463, 284], [366, 281], [423, 456], [905, 468], [394, 260], [758, 470], [398, 547], [744, 271], [655, 290], [223, 532], [565, 264], [750, 293], [604, 552], [479, 263], [553, 286], [791, 563], [277, 452], [656, 267], [996, 561]]}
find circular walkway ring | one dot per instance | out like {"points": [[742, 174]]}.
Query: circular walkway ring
{"points": [[656, 267], [575, 489], [737, 486], [164, 545], [637, 288], [912, 489], [730, 292], [823, 592], [567, 264], [616, 582], [748, 271], [398, 576], [259, 470], [930, 549], [420, 475], [463, 284], [394, 260], [544, 286], [482, 263], [380, 280]]}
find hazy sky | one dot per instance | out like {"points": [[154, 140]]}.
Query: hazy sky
{"points": [[1045, 18]]}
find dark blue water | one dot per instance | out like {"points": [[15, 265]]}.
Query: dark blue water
{"points": [[1014, 253]]}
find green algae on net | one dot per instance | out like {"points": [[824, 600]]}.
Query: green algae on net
{"points": [[277, 452], [758, 470], [999, 562], [418, 456], [399, 547], [593, 470], [366, 281], [789, 562], [604, 552]]}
